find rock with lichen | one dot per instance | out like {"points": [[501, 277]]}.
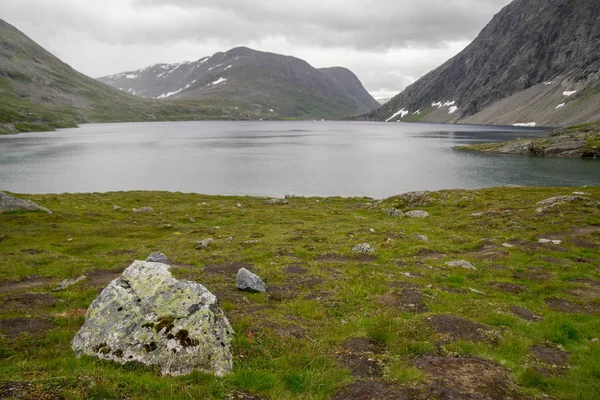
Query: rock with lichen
{"points": [[11, 203], [148, 316]]}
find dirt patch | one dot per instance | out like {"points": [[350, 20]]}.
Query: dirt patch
{"points": [[282, 292], [27, 283], [458, 328], [508, 287], [408, 300], [467, 378], [16, 326], [584, 243], [489, 251], [525, 314], [552, 260], [550, 355], [120, 252], [374, 390], [586, 281], [346, 259], [567, 306], [296, 269], [32, 252], [101, 277], [534, 274], [586, 293], [243, 396], [23, 302], [227, 268], [428, 254], [358, 355], [287, 331]]}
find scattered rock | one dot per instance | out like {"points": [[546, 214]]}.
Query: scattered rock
{"points": [[548, 204], [417, 214], [10, 203], [229, 239], [461, 263], [192, 220], [476, 291], [422, 238], [553, 241], [582, 193], [364, 205], [416, 199], [458, 328], [249, 282], [290, 196], [595, 340], [525, 314], [203, 244], [117, 208], [13, 327], [250, 242], [507, 245], [158, 257], [272, 202], [150, 317], [363, 248], [395, 213], [239, 205], [68, 283], [143, 210]]}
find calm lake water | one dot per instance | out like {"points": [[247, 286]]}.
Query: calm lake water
{"points": [[274, 158]]}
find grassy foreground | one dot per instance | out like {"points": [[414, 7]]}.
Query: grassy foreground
{"points": [[400, 323]]}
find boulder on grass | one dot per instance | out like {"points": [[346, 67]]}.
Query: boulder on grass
{"points": [[11, 203], [249, 282]]}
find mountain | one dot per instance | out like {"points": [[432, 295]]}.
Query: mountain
{"points": [[536, 62], [281, 85]]}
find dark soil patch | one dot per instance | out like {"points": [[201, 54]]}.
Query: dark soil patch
{"points": [[408, 300], [27, 283], [282, 292], [404, 285], [287, 331], [550, 355], [243, 396], [23, 302], [428, 254], [296, 269], [346, 259], [227, 268], [458, 328], [467, 378], [15, 326], [508, 287], [584, 243], [453, 290], [489, 251], [120, 252], [525, 314], [374, 390], [567, 306], [357, 355], [101, 277], [552, 260], [534, 274], [586, 281], [586, 293], [318, 296], [33, 252]]}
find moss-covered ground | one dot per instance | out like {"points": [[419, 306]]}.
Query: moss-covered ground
{"points": [[332, 324]]}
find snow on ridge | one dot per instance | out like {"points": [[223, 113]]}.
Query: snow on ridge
{"points": [[216, 66], [226, 68], [449, 103], [131, 76], [526, 124], [220, 80], [402, 113], [547, 83], [417, 112], [437, 104], [569, 92], [561, 105], [452, 109]]}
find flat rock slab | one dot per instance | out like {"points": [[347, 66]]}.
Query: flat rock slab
{"points": [[550, 355], [147, 316], [458, 328], [16, 326], [10, 203]]}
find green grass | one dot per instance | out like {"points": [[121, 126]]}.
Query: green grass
{"points": [[333, 302]]}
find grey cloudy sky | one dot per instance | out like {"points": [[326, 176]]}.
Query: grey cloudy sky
{"points": [[387, 43]]}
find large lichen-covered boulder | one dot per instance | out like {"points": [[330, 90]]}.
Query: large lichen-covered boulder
{"points": [[11, 203], [150, 317]]}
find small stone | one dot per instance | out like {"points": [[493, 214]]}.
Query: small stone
{"points": [[595, 340], [363, 248], [364, 205], [394, 213], [507, 245], [476, 291], [192, 220], [290, 196], [68, 283], [238, 205], [11, 203], [550, 241], [582, 193], [143, 210], [69, 239], [158, 257], [203, 244], [117, 208], [478, 214], [422, 238], [371, 230], [229, 239], [460, 263], [167, 226], [249, 282], [250, 242], [417, 214], [272, 202]]}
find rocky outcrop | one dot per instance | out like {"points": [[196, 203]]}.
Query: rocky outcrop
{"points": [[148, 316], [417, 214], [10, 203]]}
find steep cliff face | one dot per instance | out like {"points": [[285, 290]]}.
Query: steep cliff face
{"points": [[537, 61]]}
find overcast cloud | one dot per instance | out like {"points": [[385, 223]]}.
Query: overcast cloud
{"points": [[387, 43]]}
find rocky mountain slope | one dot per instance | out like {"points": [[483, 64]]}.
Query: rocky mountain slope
{"points": [[536, 62], [281, 85]]}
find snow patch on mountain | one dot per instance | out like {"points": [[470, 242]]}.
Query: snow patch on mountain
{"points": [[452, 109], [569, 92], [561, 105], [526, 124], [220, 80], [402, 113]]}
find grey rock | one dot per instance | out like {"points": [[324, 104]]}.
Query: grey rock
{"points": [[249, 282], [417, 214], [192, 220], [239, 205], [394, 213], [117, 208], [363, 248], [11, 203], [582, 193], [229, 239], [272, 202], [364, 205], [158, 257], [143, 210], [203, 244], [548, 204], [147, 316], [422, 238], [68, 283], [250, 242], [290, 196], [460, 263]]}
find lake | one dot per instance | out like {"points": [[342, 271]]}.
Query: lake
{"points": [[274, 158]]}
